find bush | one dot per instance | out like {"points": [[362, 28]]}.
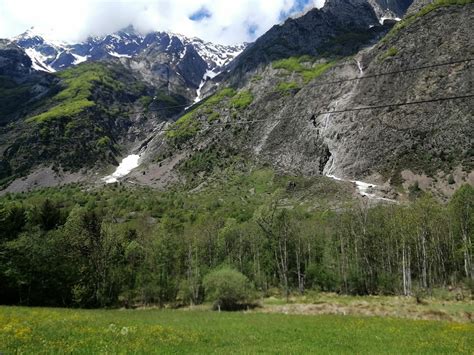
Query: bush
{"points": [[242, 100], [284, 87], [228, 289], [391, 52], [304, 66]]}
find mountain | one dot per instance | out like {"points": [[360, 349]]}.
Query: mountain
{"points": [[340, 28], [191, 58], [341, 59], [50, 55], [78, 119], [338, 92]]}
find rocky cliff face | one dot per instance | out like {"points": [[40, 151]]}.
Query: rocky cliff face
{"points": [[386, 9], [290, 124], [20, 86], [338, 28]]}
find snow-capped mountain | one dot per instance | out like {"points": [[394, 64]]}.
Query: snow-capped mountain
{"points": [[49, 55]]}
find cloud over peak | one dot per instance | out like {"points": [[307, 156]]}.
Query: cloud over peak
{"points": [[218, 21]]}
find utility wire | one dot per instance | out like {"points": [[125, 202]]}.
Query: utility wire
{"points": [[345, 110], [396, 104], [354, 109], [376, 75]]}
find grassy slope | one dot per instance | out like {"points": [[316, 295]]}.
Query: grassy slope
{"points": [[30, 330]]}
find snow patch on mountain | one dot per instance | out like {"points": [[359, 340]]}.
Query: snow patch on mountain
{"points": [[384, 18], [126, 166], [207, 76], [38, 61], [126, 43], [79, 59], [116, 55]]}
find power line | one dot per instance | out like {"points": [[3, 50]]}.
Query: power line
{"points": [[349, 109], [430, 66], [355, 109], [376, 75], [397, 104]]}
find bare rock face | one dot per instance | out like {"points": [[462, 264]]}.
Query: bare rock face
{"points": [[317, 33], [384, 140], [13, 61], [390, 8], [392, 113]]}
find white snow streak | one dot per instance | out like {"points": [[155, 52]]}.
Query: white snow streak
{"points": [[126, 166], [363, 188], [79, 59], [38, 61], [382, 19], [359, 65], [117, 55], [208, 75]]}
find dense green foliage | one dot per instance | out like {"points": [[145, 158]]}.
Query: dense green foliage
{"points": [[304, 66], [37, 330], [184, 128], [227, 288], [12, 97], [136, 246], [242, 100]]}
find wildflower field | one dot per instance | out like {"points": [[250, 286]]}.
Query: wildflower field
{"points": [[41, 330]]}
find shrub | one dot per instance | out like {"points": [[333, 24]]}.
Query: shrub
{"points": [[103, 142], [303, 66], [414, 191], [451, 180], [391, 52], [283, 87], [242, 100], [228, 289]]}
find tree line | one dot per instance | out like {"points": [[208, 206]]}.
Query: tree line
{"points": [[53, 254]]}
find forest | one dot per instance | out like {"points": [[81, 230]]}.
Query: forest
{"points": [[125, 247]]}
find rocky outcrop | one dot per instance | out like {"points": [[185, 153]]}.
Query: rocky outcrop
{"points": [[13, 61], [339, 28], [384, 121], [390, 8]]}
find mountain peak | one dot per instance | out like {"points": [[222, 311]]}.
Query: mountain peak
{"points": [[130, 30], [49, 55]]}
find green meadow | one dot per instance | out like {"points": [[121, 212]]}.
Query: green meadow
{"points": [[45, 330]]}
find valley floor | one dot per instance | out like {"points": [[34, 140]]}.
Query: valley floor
{"points": [[198, 330]]}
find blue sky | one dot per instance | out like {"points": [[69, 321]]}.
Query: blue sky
{"points": [[218, 21]]}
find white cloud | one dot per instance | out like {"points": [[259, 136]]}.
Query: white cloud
{"points": [[74, 20]]}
